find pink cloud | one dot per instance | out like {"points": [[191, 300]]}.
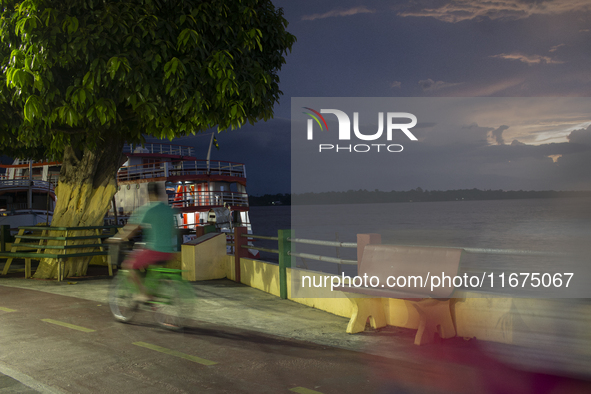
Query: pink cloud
{"points": [[337, 13]]}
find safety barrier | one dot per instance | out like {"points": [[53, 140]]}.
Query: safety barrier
{"points": [[286, 250]]}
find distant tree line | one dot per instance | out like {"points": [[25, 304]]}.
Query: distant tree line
{"points": [[414, 195], [270, 199]]}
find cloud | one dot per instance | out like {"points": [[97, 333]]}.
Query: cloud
{"points": [[489, 90], [581, 136], [339, 12], [396, 84], [517, 143], [555, 157], [496, 135], [555, 47], [528, 59], [430, 85], [454, 11]]}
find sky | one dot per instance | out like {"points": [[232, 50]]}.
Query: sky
{"points": [[437, 49]]}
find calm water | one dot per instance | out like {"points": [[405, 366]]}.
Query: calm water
{"points": [[556, 225]]}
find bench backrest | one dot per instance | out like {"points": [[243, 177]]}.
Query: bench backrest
{"points": [[409, 261]]}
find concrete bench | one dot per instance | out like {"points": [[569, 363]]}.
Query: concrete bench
{"points": [[433, 307], [23, 248]]}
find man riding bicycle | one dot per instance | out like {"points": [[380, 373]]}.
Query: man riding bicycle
{"points": [[156, 221]]}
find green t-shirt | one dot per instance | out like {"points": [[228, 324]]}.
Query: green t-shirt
{"points": [[158, 225]]}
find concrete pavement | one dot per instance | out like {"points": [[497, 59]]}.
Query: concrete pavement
{"points": [[259, 343]]}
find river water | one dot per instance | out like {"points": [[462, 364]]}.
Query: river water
{"points": [[551, 225]]}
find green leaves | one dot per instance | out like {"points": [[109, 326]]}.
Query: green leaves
{"points": [[171, 66], [103, 111], [32, 108], [188, 38], [98, 69], [115, 63], [70, 24]]}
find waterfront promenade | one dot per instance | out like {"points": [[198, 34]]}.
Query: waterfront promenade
{"points": [[239, 340]]}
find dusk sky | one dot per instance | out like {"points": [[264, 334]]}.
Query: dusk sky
{"points": [[440, 49]]}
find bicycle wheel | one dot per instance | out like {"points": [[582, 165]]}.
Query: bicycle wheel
{"points": [[174, 304], [121, 298]]}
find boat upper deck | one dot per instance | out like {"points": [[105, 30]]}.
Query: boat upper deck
{"points": [[184, 170], [175, 163], [158, 149], [24, 183]]}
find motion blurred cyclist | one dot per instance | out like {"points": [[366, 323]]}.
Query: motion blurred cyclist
{"points": [[156, 221]]}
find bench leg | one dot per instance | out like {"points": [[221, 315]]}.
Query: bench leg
{"points": [[363, 308], [435, 317], [110, 266], [14, 248], [27, 268], [7, 266]]}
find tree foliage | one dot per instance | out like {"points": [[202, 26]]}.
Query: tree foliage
{"points": [[81, 73]]}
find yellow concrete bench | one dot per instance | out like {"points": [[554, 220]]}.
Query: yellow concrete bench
{"points": [[384, 261]]}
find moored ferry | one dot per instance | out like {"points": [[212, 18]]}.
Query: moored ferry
{"points": [[203, 191]]}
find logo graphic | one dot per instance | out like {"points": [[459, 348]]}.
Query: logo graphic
{"points": [[310, 124], [345, 129]]}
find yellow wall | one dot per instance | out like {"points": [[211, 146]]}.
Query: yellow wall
{"points": [[205, 260], [260, 275], [265, 276], [321, 298]]}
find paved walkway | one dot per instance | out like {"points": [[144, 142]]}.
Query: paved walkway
{"points": [[261, 343]]}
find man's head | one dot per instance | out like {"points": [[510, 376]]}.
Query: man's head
{"points": [[155, 191]]}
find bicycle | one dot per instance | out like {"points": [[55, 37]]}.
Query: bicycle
{"points": [[172, 297]]}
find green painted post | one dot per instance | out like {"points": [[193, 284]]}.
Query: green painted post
{"points": [[239, 251], [284, 259]]}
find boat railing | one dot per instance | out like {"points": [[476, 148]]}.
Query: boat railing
{"points": [[181, 168], [159, 148], [25, 182], [141, 171], [36, 164], [185, 199], [16, 206], [212, 167], [22, 209]]}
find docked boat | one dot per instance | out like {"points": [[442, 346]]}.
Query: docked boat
{"points": [[203, 191], [27, 192]]}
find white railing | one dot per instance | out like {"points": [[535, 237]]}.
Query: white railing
{"points": [[142, 171], [181, 168], [159, 148], [215, 167], [6, 183], [201, 199]]}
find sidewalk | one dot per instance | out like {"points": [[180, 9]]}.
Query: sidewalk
{"points": [[231, 304], [460, 365]]}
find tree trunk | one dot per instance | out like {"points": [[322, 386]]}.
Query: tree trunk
{"points": [[86, 186]]}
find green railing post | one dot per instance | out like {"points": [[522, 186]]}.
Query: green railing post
{"points": [[239, 251], [284, 259]]}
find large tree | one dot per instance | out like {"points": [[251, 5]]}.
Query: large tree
{"points": [[82, 77]]}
